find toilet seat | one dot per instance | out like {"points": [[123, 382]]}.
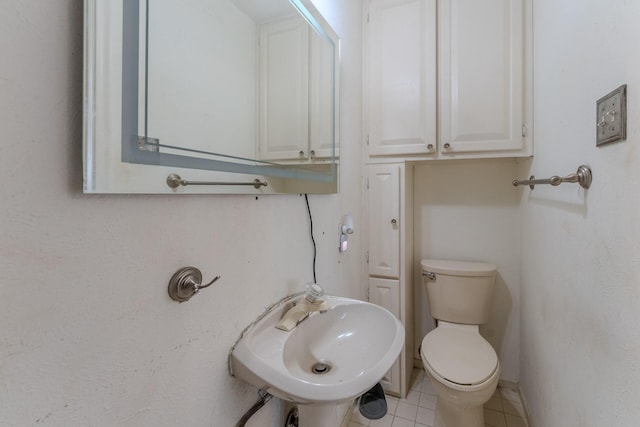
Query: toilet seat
{"points": [[459, 354]]}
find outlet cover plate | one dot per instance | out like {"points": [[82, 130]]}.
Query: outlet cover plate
{"points": [[611, 117]]}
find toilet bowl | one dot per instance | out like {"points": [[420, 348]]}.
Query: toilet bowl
{"points": [[464, 370], [462, 366]]}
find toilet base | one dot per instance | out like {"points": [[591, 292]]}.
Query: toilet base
{"points": [[456, 408], [456, 416]]}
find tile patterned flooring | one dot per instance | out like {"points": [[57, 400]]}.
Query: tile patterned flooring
{"points": [[504, 409]]}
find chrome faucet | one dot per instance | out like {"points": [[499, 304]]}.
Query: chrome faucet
{"points": [[311, 303]]}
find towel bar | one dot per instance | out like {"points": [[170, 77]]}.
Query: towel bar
{"points": [[582, 176], [174, 181]]}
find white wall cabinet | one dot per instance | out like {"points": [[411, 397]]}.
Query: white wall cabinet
{"points": [[481, 86], [295, 92], [284, 89], [389, 204], [402, 77], [481, 79]]}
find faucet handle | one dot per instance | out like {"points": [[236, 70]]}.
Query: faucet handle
{"points": [[314, 292]]}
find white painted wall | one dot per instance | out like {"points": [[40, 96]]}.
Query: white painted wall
{"points": [[88, 336], [580, 296], [468, 210]]}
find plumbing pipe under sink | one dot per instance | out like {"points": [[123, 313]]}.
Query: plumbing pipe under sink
{"points": [[264, 398]]}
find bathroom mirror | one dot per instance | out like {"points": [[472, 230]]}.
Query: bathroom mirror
{"points": [[183, 93]]}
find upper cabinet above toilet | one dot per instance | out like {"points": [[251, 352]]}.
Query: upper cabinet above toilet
{"points": [[447, 79]]}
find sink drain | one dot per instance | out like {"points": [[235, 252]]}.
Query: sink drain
{"points": [[320, 368]]}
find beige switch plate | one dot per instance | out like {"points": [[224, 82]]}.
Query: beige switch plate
{"points": [[611, 118]]}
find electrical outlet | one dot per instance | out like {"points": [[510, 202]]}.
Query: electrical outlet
{"points": [[611, 118]]}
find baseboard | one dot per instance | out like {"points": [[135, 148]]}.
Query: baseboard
{"points": [[524, 405], [515, 386], [511, 385]]}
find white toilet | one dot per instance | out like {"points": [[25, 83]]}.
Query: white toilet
{"points": [[462, 366]]}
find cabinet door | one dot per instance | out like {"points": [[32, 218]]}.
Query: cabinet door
{"points": [[321, 118], [481, 75], [386, 293], [284, 89], [401, 77], [384, 220]]}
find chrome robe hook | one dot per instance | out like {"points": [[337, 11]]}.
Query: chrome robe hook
{"points": [[186, 282]]}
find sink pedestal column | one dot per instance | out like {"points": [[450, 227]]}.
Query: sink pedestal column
{"points": [[319, 415]]}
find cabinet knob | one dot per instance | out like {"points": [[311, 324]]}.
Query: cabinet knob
{"points": [[447, 146], [430, 147], [301, 153], [312, 153], [394, 221]]}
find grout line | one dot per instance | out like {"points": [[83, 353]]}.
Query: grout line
{"points": [[418, 387], [524, 406]]}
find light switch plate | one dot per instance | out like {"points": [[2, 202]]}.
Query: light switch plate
{"points": [[611, 118]]}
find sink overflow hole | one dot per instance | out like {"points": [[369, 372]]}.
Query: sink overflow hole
{"points": [[320, 368]]}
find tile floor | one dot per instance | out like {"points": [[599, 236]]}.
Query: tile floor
{"points": [[504, 409]]}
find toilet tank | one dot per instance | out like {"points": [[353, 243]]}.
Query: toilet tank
{"points": [[459, 291]]}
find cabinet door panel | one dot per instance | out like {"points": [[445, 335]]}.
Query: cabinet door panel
{"points": [[402, 82], [481, 75], [322, 127], [386, 293], [284, 89], [384, 220]]}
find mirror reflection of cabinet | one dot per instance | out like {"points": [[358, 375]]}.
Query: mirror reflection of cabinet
{"points": [[295, 101], [160, 100]]}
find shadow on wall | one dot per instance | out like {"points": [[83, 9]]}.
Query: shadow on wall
{"points": [[574, 202], [494, 330]]}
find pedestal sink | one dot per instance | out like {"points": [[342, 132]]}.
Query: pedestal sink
{"points": [[328, 359]]}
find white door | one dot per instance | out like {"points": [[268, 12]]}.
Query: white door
{"points": [[386, 293], [284, 90], [401, 77], [480, 56], [384, 220], [321, 86]]}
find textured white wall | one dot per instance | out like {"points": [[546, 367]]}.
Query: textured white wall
{"points": [[468, 210], [580, 296], [88, 335]]}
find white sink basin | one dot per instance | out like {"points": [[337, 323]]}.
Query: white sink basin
{"points": [[356, 341]]}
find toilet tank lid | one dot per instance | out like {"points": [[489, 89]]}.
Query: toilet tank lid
{"points": [[458, 268]]}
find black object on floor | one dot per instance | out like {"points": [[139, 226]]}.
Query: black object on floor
{"points": [[373, 404]]}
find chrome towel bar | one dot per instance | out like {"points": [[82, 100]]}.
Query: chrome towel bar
{"points": [[582, 176], [174, 181]]}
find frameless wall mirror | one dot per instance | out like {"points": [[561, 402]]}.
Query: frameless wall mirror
{"points": [[179, 93]]}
